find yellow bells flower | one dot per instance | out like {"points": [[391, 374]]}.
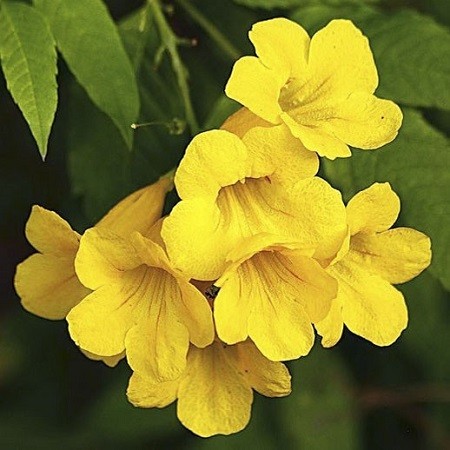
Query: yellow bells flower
{"points": [[139, 303], [46, 282], [272, 292], [232, 188], [377, 257], [215, 392], [320, 87]]}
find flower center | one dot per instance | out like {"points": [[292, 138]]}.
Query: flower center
{"points": [[298, 99], [246, 204]]}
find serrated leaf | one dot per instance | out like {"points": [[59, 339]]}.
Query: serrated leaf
{"points": [[411, 51], [321, 412], [89, 41], [101, 170], [416, 164], [28, 57]]}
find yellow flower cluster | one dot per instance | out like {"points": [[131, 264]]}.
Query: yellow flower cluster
{"points": [[259, 253]]}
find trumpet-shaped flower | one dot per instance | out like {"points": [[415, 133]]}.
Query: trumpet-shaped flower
{"points": [[46, 282], [272, 292], [320, 87], [376, 258], [139, 303], [232, 188], [215, 392]]}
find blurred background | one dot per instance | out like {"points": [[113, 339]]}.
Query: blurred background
{"points": [[355, 396]]}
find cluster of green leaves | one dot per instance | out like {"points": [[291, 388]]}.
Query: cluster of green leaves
{"points": [[112, 75], [85, 35]]}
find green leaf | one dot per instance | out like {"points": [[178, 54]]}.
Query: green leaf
{"points": [[321, 411], [28, 59], [412, 56], [286, 4], [90, 43], [101, 170], [411, 51], [416, 164]]}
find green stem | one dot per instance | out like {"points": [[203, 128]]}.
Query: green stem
{"points": [[170, 42], [210, 29]]}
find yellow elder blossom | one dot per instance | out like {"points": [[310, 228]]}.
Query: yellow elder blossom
{"points": [[272, 292], [140, 304], [46, 281], [215, 392], [320, 87], [374, 258], [232, 189]]}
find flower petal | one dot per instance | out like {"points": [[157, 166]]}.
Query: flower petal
{"points": [[192, 239], [332, 327], [396, 255], [196, 315], [282, 45], [48, 285], [139, 211], [206, 166], [257, 87], [232, 309], [101, 321], [373, 210], [317, 140], [291, 160], [213, 397], [191, 306], [275, 319], [340, 55], [320, 217], [110, 361], [145, 393], [280, 327], [104, 257], [364, 121], [242, 121], [269, 378], [48, 233], [158, 344], [371, 307]]}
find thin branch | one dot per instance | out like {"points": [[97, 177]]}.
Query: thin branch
{"points": [[214, 33], [169, 43]]}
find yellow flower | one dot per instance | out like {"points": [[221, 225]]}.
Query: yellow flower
{"points": [[139, 303], [232, 188], [320, 87], [375, 257], [272, 292], [46, 282], [215, 391]]}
